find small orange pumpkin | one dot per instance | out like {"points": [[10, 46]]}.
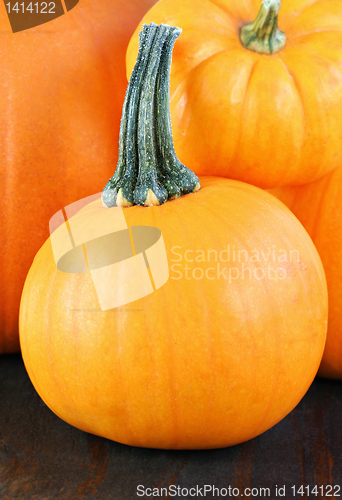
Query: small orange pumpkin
{"points": [[267, 113], [221, 351], [319, 208]]}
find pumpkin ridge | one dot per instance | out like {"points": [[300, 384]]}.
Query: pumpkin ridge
{"points": [[227, 11], [319, 206], [309, 6], [296, 86], [324, 57], [238, 142], [312, 33], [199, 65], [295, 83]]}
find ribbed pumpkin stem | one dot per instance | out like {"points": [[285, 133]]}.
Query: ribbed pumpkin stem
{"points": [[263, 34], [148, 170]]}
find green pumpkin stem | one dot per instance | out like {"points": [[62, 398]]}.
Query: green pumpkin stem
{"points": [[263, 34], [148, 170]]}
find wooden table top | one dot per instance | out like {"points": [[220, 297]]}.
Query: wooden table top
{"points": [[43, 458]]}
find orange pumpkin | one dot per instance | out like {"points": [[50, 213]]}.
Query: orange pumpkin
{"points": [[319, 208], [267, 119], [216, 353], [61, 93]]}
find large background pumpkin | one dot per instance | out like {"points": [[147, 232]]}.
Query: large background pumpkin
{"points": [[62, 85], [319, 208], [270, 120]]}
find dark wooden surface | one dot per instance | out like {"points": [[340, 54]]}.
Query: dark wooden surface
{"points": [[42, 457]]}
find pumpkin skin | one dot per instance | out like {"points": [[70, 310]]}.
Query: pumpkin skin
{"points": [[270, 120], [318, 206], [61, 93], [198, 363]]}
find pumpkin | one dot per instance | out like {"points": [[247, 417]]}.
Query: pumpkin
{"points": [[319, 208], [250, 100], [61, 94], [223, 345]]}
